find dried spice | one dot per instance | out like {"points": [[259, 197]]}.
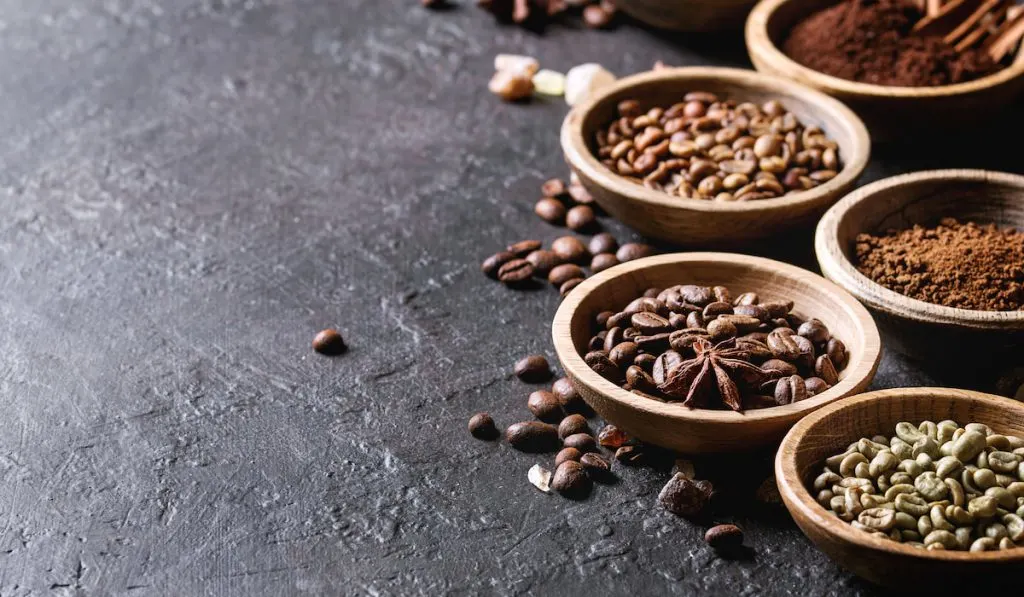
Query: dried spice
{"points": [[968, 266], [714, 373], [685, 497]]}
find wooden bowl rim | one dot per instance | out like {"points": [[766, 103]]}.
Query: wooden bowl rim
{"points": [[759, 42], [854, 373], [838, 268], [578, 154], [798, 499]]}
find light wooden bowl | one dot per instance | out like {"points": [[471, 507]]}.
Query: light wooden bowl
{"points": [[692, 221], [703, 430], [689, 15], [890, 112], [919, 329], [829, 430]]}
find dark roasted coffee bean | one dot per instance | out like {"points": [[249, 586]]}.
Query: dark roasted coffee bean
{"points": [[560, 274], [826, 370], [814, 330], [580, 194], [533, 369], [816, 385], [653, 344], [567, 454], [545, 406], [566, 394], [491, 265], [570, 249], [613, 338], [790, 389], [744, 323], [645, 304], [722, 294], [639, 379], [721, 329], [543, 261], [623, 354], [603, 243], [597, 341], [645, 361], [664, 364], [596, 17], [724, 538], [603, 261], [580, 218], [611, 436], [584, 442], [682, 340], [778, 367], [756, 337], [532, 436], [481, 426], [554, 187], [631, 251], [694, 320], [677, 321], [329, 342], [794, 321], [620, 319], [652, 293], [604, 367], [685, 497], [550, 210], [836, 350], [571, 480], [778, 309], [524, 247], [514, 272], [756, 351], [566, 288], [596, 467], [784, 346], [602, 318], [713, 310], [572, 425], [650, 323], [747, 298], [696, 295], [630, 333], [756, 311], [630, 455]]}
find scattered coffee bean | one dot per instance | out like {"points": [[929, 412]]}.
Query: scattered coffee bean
{"points": [[595, 466], [481, 426], [543, 262], [630, 455], [545, 406], [550, 210], [552, 188], [533, 369], [603, 261], [611, 436], [580, 218], [515, 272], [566, 454], [685, 497], [603, 243], [631, 251], [560, 274], [571, 480], [570, 249], [329, 342], [492, 264], [725, 538], [573, 424], [596, 17], [532, 436], [566, 288], [566, 393], [580, 194], [584, 442], [524, 247]]}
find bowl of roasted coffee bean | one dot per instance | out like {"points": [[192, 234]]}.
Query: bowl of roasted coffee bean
{"points": [[902, 65], [713, 155], [712, 352], [938, 259], [916, 488]]}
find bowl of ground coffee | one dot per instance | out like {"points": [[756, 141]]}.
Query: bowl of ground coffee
{"points": [[874, 56], [937, 257]]}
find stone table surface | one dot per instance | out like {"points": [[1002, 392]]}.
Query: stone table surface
{"points": [[191, 189]]}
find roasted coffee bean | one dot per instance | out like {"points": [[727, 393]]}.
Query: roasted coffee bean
{"points": [[532, 436], [747, 298], [570, 249], [571, 480], [653, 344], [554, 187], [329, 342], [630, 455], [721, 329], [694, 320], [604, 367], [580, 218], [623, 354], [645, 362], [756, 311], [784, 346], [481, 426], [650, 323], [524, 247], [779, 368], [685, 497], [545, 406], [824, 369], [543, 261], [550, 210], [492, 264], [777, 308], [664, 364], [567, 454], [814, 330], [699, 296], [722, 294], [620, 319], [580, 194], [596, 17], [572, 425], [631, 251], [584, 442], [630, 333], [716, 308], [611, 436], [597, 467], [566, 288], [836, 350], [816, 385], [677, 321], [638, 379], [603, 243], [790, 389], [560, 274], [603, 261], [613, 338], [602, 318], [597, 342], [533, 369], [567, 396], [725, 538], [515, 272]]}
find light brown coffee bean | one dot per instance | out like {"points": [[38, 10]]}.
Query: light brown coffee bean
{"points": [[515, 272], [550, 210], [631, 251], [567, 454], [543, 261], [603, 243], [603, 261], [552, 188], [584, 442], [826, 370], [566, 288], [329, 342], [524, 247], [580, 218], [560, 274], [481, 426], [571, 480], [570, 249], [532, 436], [492, 264], [571, 425], [545, 406], [533, 369]]}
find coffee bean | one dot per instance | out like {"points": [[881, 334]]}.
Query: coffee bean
{"points": [[650, 323], [778, 367], [596, 17], [567, 396], [638, 379], [603, 366], [596, 467], [724, 537], [571, 480], [550, 210], [685, 497], [584, 442], [515, 272], [545, 406], [597, 342], [623, 354], [630, 455], [790, 389], [554, 187], [580, 194], [492, 264], [824, 369], [566, 288], [603, 261], [631, 251], [602, 318], [532, 436], [567, 454], [653, 294], [721, 329], [645, 362], [603, 243], [654, 344], [481, 426], [543, 261], [560, 274], [572, 425], [580, 218], [836, 351], [756, 311], [716, 308], [816, 385], [524, 247], [814, 330], [533, 369], [664, 364], [570, 249], [329, 342], [747, 298]]}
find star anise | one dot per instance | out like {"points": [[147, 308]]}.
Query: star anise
{"points": [[717, 370]]}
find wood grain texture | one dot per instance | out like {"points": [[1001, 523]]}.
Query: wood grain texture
{"points": [[914, 327], [702, 430], [889, 112], [829, 430], [692, 221], [689, 15]]}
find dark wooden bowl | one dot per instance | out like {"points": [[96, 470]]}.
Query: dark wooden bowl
{"points": [[689, 15]]}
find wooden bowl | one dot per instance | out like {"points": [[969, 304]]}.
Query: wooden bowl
{"points": [[693, 221], [890, 112], [919, 329], [829, 430], [703, 430], [689, 15]]}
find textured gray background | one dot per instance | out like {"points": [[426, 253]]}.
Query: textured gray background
{"points": [[193, 188]]}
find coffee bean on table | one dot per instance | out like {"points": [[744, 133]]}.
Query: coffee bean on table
{"points": [[631, 251], [545, 406], [596, 17], [603, 261], [532, 436], [603, 243], [584, 442], [685, 497], [550, 210], [571, 480], [580, 218], [543, 261], [554, 187], [726, 538], [580, 194], [524, 247], [570, 249], [481, 426], [533, 369], [491, 265], [566, 288], [573, 424], [515, 272], [567, 454], [560, 274], [595, 466], [571, 401], [329, 342], [630, 455]]}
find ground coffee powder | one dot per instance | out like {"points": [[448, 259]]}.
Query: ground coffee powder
{"points": [[957, 265], [870, 41]]}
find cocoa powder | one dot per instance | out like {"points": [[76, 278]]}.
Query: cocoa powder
{"points": [[870, 41], [969, 266]]}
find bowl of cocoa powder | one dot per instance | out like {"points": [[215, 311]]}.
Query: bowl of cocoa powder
{"points": [[937, 257], [898, 67]]}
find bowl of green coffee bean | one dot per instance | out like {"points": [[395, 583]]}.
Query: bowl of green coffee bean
{"points": [[917, 488]]}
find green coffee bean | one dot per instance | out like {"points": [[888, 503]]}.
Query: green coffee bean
{"points": [[910, 535], [901, 449], [978, 428], [864, 484], [930, 486], [911, 504], [862, 470], [925, 462], [958, 515], [883, 462], [826, 480], [970, 444], [983, 507], [1016, 441], [883, 482], [1003, 497], [984, 544], [1005, 480], [996, 530], [880, 439], [935, 547], [963, 537], [895, 490], [825, 497], [929, 429], [908, 433], [944, 538], [869, 448], [847, 467], [946, 449], [896, 535], [838, 503], [1003, 462], [924, 525], [879, 519], [900, 478], [983, 478], [948, 466], [938, 516], [1014, 527], [982, 460], [998, 442], [852, 501], [863, 527], [1015, 488], [946, 429], [926, 445], [874, 501], [832, 462], [1006, 543], [911, 467], [967, 480], [958, 433], [1018, 451], [1020, 510], [902, 520], [1020, 471], [956, 491]]}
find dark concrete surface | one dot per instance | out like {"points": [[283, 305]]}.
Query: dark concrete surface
{"points": [[191, 189]]}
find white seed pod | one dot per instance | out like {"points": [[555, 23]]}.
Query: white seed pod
{"points": [[549, 82], [516, 63], [540, 477], [585, 79]]}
